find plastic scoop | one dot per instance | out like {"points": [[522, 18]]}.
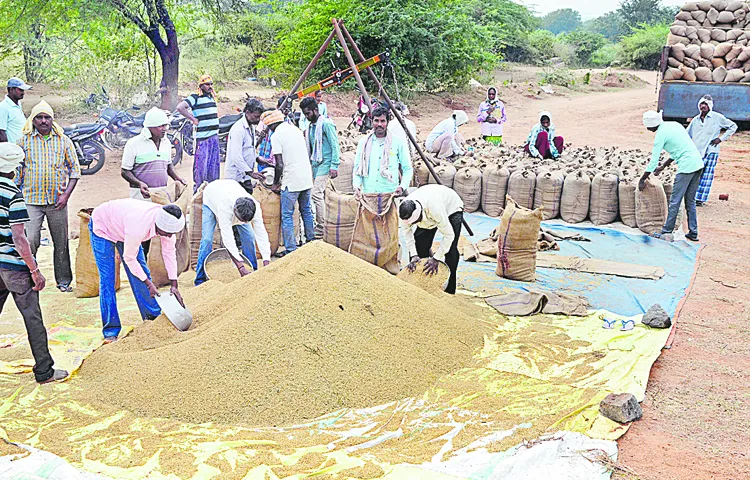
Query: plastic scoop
{"points": [[180, 316]]}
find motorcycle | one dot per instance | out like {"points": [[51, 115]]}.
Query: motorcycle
{"points": [[121, 126], [362, 118], [89, 144]]}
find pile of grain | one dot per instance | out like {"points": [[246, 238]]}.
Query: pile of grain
{"points": [[314, 332], [428, 283]]}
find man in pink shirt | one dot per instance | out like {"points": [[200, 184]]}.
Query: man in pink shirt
{"points": [[125, 224]]}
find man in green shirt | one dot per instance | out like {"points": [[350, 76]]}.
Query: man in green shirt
{"points": [[323, 148], [382, 163], [674, 139]]}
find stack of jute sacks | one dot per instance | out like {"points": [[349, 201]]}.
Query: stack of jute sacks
{"points": [[709, 42], [584, 183]]}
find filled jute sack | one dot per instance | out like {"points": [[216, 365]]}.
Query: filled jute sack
{"points": [[517, 242], [468, 186], [494, 189], [603, 204], [343, 182], [421, 174], [87, 274], [574, 205], [375, 237], [182, 198], [446, 173], [651, 206], [270, 205], [626, 196], [521, 186], [549, 187], [341, 216]]}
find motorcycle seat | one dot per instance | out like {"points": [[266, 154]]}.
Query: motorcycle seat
{"points": [[226, 122], [138, 119], [82, 128]]}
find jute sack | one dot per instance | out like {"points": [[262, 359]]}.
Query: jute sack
{"points": [[270, 205], [343, 182], [626, 196], [549, 187], [468, 186], [521, 186], [341, 216], [158, 271], [517, 242], [446, 173], [421, 174], [651, 206], [603, 207], [87, 273], [494, 189], [375, 238], [574, 205]]}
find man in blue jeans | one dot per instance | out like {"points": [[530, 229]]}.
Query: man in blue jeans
{"points": [[227, 203], [293, 176], [674, 139], [124, 225]]}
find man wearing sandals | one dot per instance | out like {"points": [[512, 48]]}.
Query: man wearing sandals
{"points": [[674, 139], [47, 179], [19, 272]]}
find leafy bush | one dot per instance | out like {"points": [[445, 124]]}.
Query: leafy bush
{"points": [[584, 44], [540, 46], [605, 56], [556, 76], [642, 48], [434, 44], [508, 22]]}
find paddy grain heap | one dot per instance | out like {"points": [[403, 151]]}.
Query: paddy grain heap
{"points": [[316, 331]]}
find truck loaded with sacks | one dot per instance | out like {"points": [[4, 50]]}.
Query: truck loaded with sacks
{"points": [[707, 52]]}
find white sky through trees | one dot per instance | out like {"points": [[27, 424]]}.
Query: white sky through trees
{"points": [[588, 8]]}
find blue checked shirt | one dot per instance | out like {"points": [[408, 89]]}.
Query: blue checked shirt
{"points": [[50, 163]]}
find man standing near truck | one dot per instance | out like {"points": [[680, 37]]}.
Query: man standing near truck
{"points": [[708, 130], [673, 139]]}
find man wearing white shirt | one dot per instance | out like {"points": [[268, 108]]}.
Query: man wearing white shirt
{"points": [[395, 128], [292, 176], [430, 209], [227, 203], [241, 147]]}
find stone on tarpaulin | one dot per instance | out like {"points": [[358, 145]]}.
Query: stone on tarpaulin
{"points": [[656, 317], [622, 408]]}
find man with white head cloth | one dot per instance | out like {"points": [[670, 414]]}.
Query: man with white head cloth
{"points": [[445, 139], [430, 209], [146, 160], [124, 225], [708, 130], [672, 138], [20, 276]]}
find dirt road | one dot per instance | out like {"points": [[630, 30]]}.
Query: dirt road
{"points": [[696, 419]]}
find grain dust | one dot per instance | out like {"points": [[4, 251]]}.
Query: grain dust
{"points": [[428, 283]]}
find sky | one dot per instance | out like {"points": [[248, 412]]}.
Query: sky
{"points": [[588, 8]]}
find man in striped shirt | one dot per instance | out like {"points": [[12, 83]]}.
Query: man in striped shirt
{"points": [[47, 179], [19, 272], [200, 108]]}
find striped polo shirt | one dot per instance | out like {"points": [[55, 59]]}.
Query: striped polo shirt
{"points": [[148, 163], [12, 212], [205, 110]]}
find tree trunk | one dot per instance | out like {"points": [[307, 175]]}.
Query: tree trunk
{"points": [[34, 54], [170, 69]]}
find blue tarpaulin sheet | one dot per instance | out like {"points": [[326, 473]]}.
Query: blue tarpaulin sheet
{"points": [[624, 296]]}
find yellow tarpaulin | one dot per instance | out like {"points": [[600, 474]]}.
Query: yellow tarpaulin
{"points": [[534, 375]]}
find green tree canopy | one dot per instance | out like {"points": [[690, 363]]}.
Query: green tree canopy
{"points": [[561, 21]]}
